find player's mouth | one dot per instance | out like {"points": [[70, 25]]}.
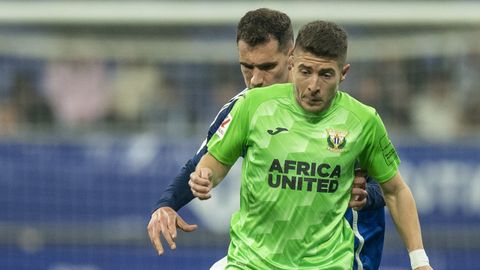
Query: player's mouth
{"points": [[313, 101]]}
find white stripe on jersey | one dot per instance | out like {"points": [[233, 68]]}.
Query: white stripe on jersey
{"points": [[201, 146], [361, 240]]}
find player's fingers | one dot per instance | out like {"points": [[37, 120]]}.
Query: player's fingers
{"points": [[201, 196], [196, 179], [201, 181], [153, 230], [359, 193], [184, 226], [196, 193], [166, 233], [357, 204], [358, 198], [428, 267], [200, 191], [360, 205], [354, 205], [204, 197], [205, 173], [198, 187], [172, 225], [359, 181], [360, 172]]}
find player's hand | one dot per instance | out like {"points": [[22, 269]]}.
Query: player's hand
{"points": [[359, 195], [427, 267], [200, 183], [165, 221]]}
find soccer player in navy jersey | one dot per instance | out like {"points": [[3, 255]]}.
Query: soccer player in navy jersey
{"points": [[265, 41]]}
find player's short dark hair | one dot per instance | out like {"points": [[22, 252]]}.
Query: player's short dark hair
{"points": [[323, 39], [261, 25]]}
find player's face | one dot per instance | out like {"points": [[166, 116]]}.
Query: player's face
{"points": [[316, 80], [263, 64]]}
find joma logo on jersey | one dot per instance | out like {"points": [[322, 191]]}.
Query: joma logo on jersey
{"points": [[321, 177], [278, 130], [336, 140]]}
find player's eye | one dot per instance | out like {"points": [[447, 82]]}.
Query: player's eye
{"points": [[327, 74], [304, 71], [267, 67], [245, 66]]}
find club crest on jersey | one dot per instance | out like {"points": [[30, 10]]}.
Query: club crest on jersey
{"points": [[336, 140], [224, 126]]}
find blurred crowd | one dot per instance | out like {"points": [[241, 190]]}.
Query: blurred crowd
{"points": [[431, 99], [85, 95]]}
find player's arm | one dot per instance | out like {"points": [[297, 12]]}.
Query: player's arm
{"points": [[165, 220], [224, 148], [381, 160], [178, 194], [209, 173], [403, 210]]}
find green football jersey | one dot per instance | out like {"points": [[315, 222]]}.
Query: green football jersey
{"points": [[297, 176]]}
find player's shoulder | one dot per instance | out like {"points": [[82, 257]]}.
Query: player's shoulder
{"points": [[355, 107]]}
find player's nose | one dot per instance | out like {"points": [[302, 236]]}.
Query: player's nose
{"points": [[314, 84], [257, 79]]}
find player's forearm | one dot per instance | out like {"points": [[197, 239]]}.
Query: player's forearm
{"points": [[219, 170], [178, 193], [405, 216]]}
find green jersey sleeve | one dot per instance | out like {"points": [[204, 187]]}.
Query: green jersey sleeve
{"points": [[227, 144], [379, 156]]}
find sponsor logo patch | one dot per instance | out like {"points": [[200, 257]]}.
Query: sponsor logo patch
{"points": [[222, 129], [388, 151]]}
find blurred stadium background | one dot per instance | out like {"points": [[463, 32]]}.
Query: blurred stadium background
{"points": [[102, 102]]}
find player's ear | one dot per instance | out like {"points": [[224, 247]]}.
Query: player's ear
{"points": [[290, 51], [290, 61], [345, 70]]}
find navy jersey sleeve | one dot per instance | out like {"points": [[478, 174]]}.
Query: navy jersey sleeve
{"points": [[178, 193], [375, 198]]}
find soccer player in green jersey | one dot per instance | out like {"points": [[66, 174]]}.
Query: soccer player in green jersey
{"points": [[265, 40], [300, 142]]}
